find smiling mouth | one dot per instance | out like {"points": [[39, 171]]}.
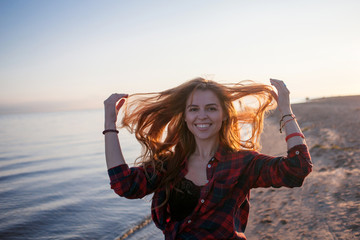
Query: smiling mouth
{"points": [[203, 125]]}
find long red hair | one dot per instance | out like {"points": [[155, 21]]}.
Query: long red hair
{"points": [[157, 119]]}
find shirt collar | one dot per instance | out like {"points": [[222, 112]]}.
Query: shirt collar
{"points": [[220, 153], [219, 156]]}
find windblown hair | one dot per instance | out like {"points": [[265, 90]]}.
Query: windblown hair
{"points": [[158, 121]]}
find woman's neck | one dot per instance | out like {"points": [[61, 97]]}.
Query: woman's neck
{"points": [[206, 148]]}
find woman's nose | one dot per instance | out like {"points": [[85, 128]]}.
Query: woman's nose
{"points": [[202, 114]]}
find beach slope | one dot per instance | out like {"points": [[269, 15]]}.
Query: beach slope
{"points": [[327, 206]]}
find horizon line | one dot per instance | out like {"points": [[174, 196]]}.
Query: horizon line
{"points": [[55, 107]]}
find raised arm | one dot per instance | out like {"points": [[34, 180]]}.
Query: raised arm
{"points": [[113, 153], [293, 133]]}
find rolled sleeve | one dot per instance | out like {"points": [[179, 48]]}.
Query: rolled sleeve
{"points": [[289, 171], [131, 182]]}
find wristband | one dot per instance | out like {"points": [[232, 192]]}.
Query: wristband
{"points": [[282, 119], [294, 135], [110, 130], [283, 125]]}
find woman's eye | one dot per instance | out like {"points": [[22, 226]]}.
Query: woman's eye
{"points": [[212, 109], [192, 109]]}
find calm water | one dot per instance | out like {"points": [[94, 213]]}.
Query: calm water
{"points": [[54, 183]]}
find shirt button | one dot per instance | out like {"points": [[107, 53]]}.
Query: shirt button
{"points": [[202, 200], [209, 165], [189, 221], [297, 152]]}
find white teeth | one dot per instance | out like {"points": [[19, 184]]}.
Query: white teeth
{"points": [[202, 125]]}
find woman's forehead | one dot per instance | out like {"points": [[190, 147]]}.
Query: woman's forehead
{"points": [[202, 97]]}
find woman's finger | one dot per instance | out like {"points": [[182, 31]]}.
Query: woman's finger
{"points": [[119, 105], [276, 97], [283, 99], [279, 85], [114, 98], [112, 105]]}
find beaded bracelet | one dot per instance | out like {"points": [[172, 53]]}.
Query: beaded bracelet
{"points": [[110, 130], [294, 135], [282, 119]]}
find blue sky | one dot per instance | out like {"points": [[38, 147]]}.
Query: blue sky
{"points": [[57, 55]]}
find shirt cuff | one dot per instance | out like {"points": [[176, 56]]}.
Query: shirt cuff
{"points": [[118, 172], [300, 147], [301, 150]]}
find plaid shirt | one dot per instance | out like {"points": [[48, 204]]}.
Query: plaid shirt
{"points": [[223, 208]]}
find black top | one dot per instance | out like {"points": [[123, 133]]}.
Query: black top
{"points": [[183, 199]]}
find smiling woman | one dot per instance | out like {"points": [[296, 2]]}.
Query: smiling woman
{"points": [[204, 115], [195, 160]]}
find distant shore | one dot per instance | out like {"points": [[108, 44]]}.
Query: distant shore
{"points": [[70, 106]]}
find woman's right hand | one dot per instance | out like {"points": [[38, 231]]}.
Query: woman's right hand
{"points": [[112, 106], [282, 98]]}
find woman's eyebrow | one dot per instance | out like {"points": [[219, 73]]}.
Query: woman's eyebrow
{"points": [[211, 104], [207, 105], [192, 105]]}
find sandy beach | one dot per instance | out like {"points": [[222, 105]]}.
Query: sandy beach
{"points": [[327, 206]]}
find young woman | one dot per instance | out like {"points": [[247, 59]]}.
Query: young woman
{"points": [[195, 159]]}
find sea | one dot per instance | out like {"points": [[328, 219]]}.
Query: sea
{"points": [[54, 182]]}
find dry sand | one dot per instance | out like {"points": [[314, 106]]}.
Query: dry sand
{"points": [[327, 206]]}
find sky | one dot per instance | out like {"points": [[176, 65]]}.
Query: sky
{"points": [[64, 55]]}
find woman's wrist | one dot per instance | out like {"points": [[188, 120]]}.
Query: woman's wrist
{"points": [[110, 125], [286, 111]]}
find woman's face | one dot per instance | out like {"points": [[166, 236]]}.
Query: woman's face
{"points": [[204, 114]]}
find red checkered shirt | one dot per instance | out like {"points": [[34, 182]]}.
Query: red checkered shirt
{"points": [[223, 207]]}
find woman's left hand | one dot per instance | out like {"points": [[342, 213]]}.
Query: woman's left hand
{"points": [[112, 106], [283, 98]]}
